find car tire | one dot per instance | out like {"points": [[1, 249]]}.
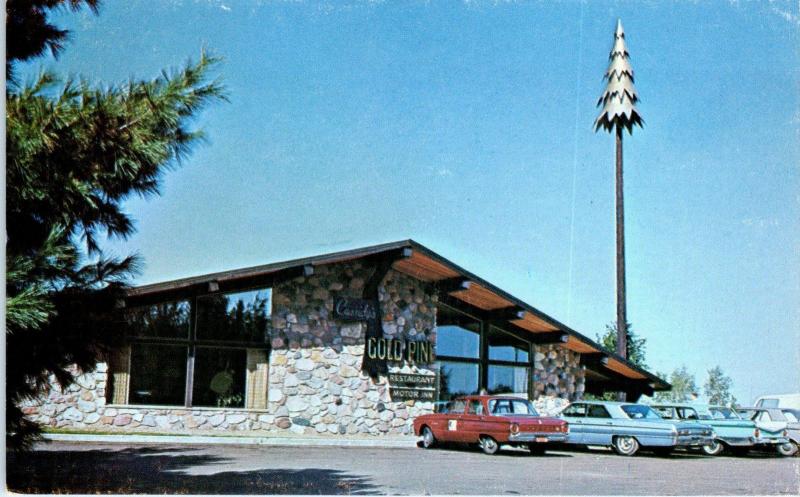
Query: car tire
{"points": [[625, 446], [714, 449], [536, 449], [489, 445], [428, 440], [788, 449]]}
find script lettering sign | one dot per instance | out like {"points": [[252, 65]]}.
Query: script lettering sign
{"points": [[350, 309]]}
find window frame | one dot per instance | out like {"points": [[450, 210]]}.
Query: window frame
{"points": [[192, 343]]}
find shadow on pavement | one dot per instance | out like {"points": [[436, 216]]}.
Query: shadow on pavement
{"points": [[163, 471]]}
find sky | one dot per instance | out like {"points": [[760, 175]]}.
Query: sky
{"points": [[467, 126]]}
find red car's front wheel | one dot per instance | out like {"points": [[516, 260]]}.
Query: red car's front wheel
{"points": [[428, 440]]}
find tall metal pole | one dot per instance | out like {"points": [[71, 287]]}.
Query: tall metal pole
{"points": [[622, 321]]}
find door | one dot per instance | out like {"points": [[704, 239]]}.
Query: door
{"points": [[575, 415], [472, 422], [598, 426], [453, 429]]}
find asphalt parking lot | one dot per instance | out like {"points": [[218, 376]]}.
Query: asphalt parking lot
{"points": [[67, 467]]}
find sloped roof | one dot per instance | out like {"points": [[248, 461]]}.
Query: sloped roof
{"points": [[447, 277]]}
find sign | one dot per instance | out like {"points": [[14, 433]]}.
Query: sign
{"points": [[423, 380], [351, 309], [392, 349], [403, 393], [404, 386]]}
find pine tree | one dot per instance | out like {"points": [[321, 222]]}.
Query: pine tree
{"points": [[74, 152], [636, 347]]}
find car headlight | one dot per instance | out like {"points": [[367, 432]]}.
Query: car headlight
{"points": [[514, 428]]}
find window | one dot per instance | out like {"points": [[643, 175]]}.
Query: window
{"points": [[457, 407], [457, 379], [160, 374], [475, 407], [511, 406], [507, 379], [638, 411], [687, 413], [665, 412], [508, 365], [575, 411], [457, 335], [598, 411], [208, 351], [506, 347], [241, 317]]}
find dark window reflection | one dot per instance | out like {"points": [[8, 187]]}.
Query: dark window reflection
{"points": [[457, 335], [506, 347], [219, 377], [167, 320], [508, 379], [158, 374], [239, 316], [457, 379]]}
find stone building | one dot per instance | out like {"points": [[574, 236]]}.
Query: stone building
{"points": [[356, 342]]}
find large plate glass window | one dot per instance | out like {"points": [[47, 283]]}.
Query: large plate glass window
{"points": [[508, 379], [158, 374], [240, 317], [457, 335], [208, 351], [457, 379]]}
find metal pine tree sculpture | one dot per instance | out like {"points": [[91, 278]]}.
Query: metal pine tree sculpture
{"points": [[619, 112]]}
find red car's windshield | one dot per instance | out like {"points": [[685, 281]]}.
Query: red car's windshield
{"points": [[499, 407]]}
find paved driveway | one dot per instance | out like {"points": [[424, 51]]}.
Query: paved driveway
{"points": [[60, 467]]}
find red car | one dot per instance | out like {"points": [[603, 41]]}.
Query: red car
{"points": [[490, 420]]}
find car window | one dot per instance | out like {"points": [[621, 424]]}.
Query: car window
{"points": [[664, 412], [638, 411], [598, 411], [575, 410], [748, 414], [790, 416], [457, 407], [511, 406], [475, 407], [687, 413], [723, 413], [768, 403], [764, 416]]}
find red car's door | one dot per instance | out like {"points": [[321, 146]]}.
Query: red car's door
{"points": [[452, 429], [473, 421]]}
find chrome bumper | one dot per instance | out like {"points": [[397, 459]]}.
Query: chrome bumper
{"points": [[537, 437], [770, 441], [694, 440]]}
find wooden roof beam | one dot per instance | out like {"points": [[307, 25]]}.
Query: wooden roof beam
{"points": [[550, 337], [450, 285], [595, 359], [506, 314]]}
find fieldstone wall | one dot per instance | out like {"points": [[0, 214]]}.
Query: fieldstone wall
{"points": [[315, 378], [558, 378]]}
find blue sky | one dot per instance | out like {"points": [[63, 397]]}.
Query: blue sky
{"points": [[467, 126]]}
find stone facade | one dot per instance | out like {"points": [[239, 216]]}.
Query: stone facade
{"points": [[315, 382], [558, 378]]}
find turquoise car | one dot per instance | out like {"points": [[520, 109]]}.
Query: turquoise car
{"points": [[734, 434], [625, 427]]}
